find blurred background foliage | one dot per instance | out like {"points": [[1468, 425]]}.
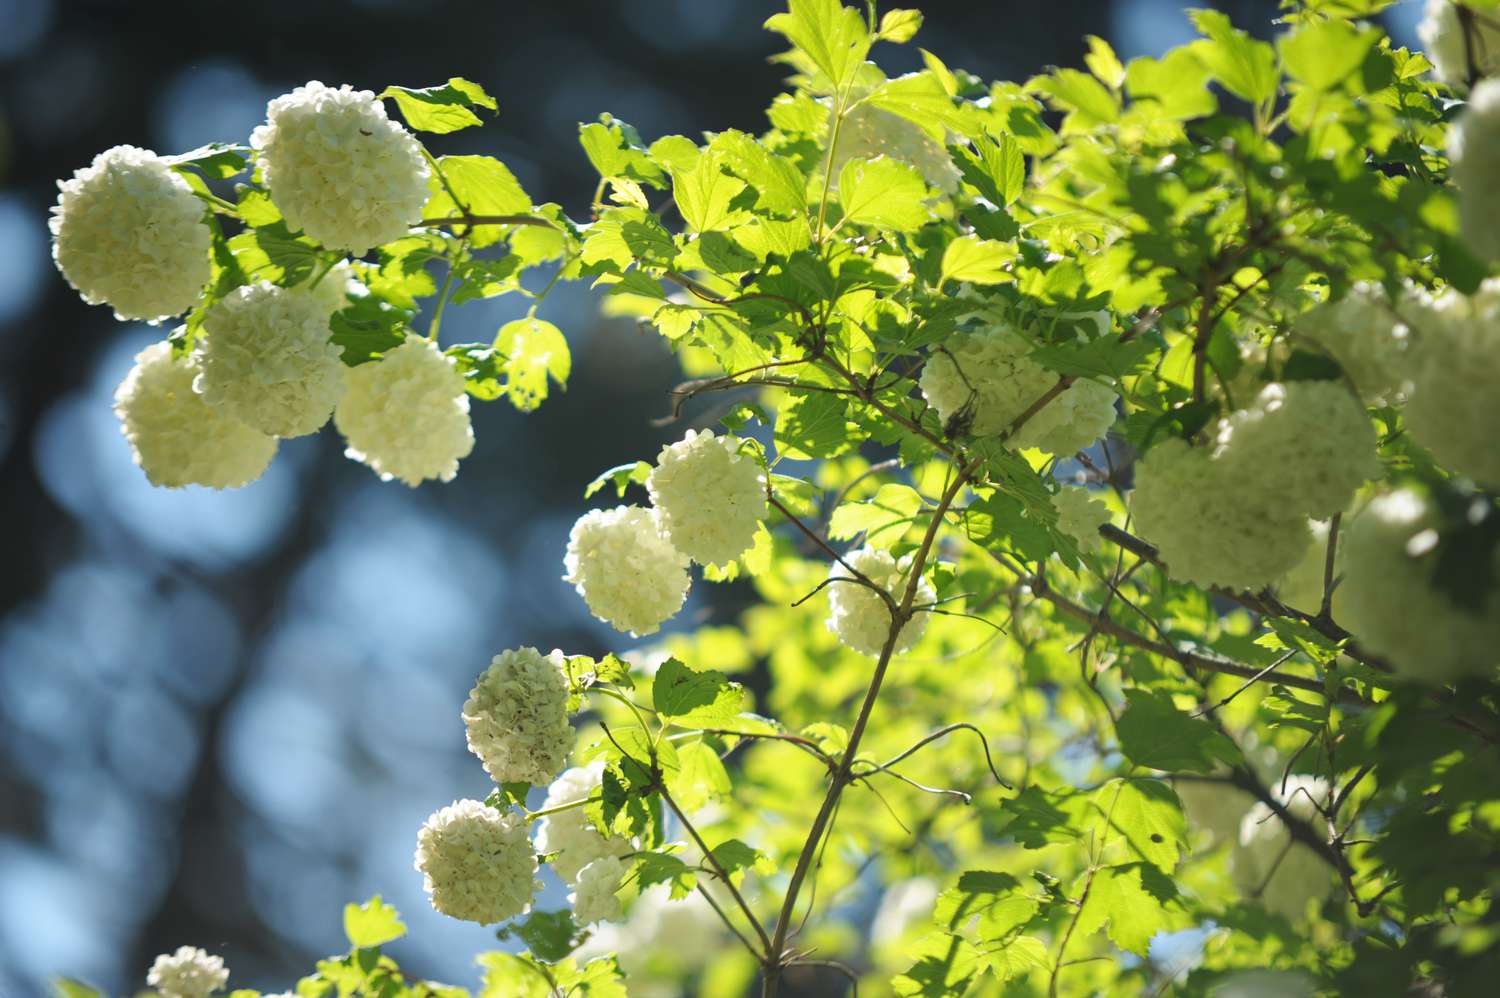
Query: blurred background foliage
{"points": [[203, 696]]}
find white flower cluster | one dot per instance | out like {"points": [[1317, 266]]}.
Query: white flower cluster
{"points": [[1454, 408], [188, 973], [1391, 604], [334, 289], [1453, 54], [1309, 440], [1237, 515], [1474, 156], [990, 376], [1209, 528], [625, 569], [516, 716], [477, 863], [1287, 877], [860, 617], [595, 898], [869, 131], [1365, 335], [568, 836], [266, 358], [339, 169], [709, 496], [1080, 515], [406, 415], [179, 439], [129, 232]]}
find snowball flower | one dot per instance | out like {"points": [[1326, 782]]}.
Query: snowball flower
{"points": [[1474, 155], [986, 375], [1309, 441], [406, 415], [1296, 874], [188, 973], [1450, 52], [569, 836], [1077, 417], [334, 288], [1454, 407], [860, 617], [516, 716], [595, 898], [1392, 604], [868, 131], [339, 169], [1080, 515], [710, 498], [177, 438], [128, 231], [1366, 336], [477, 863], [625, 569], [266, 359], [1213, 526]]}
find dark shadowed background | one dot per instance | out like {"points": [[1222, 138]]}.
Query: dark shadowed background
{"points": [[222, 715]]}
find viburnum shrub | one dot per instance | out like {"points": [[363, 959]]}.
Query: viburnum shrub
{"points": [[1048, 411]]}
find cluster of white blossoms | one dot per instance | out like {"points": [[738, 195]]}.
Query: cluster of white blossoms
{"points": [[407, 414], [868, 132], [179, 439], [1365, 334], [860, 616], [1080, 515], [1209, 530], [569, 837], [266, 358], [477, 863], [710, 497], [990, 377], [626, 569], [1287, 874], [1455, 54], [128, 232], [1454, 408], [595, 897], [1474, 155], [1236, 514], [188, 973], [516, 716], [334, 288], [1311, 439], [1391, 603], [340, 169]]}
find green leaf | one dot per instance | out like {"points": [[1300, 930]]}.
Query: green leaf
{"points": [[995, 167], [1103, 63], [549, 934], [735, 856], [482, 367], [832, 36], [67, 987], [510, 975], [621, 476], [663, 868], [1323, 54], [1105, 358], [1176, 84], [629, 235], [695, 699], [372, 923], [977, 261], [1133, 899], [442, 109], [1018, 957], [883, 193], [273, 253], [780, 188], [995, 901], [479, 186], [367, 328], [703, 194], [899, 26], [1089, 102], [534, 351], [883, 518], [1246, 67], [216, 161], [1146, 816], [701, 779], [813, 426], [615, 150], [1154, 733], [946, 967]]}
